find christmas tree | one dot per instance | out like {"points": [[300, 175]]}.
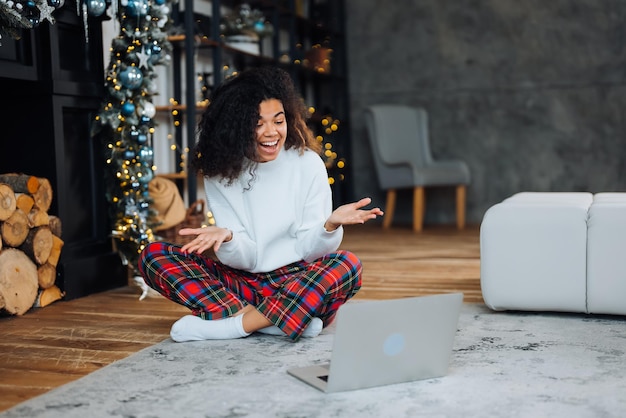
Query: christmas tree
{"points": [[125, 122]]}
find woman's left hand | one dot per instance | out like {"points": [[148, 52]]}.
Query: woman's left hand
{"points": [[207, 237], [352, 213]]}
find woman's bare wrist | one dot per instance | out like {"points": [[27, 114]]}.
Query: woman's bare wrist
{"points": [[330, 227]]}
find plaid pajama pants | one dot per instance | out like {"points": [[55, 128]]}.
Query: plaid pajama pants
{"points": [[290, 297]]}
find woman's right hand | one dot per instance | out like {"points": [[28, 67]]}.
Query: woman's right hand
{"points": [[206, 237]]}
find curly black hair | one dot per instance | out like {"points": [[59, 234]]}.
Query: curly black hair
{"points": [[226, 144]]}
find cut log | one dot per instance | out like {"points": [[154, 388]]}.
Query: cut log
{"points": [[47, 296], [25, 202], [8, 203], [56, 226], [38, 217], [38, 244], [55, 253], [18, 281], [43, 195], [20, 183], [46, 275], [15, 229]]}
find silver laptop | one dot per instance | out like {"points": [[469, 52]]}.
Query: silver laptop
{"points": [[383, 342]]}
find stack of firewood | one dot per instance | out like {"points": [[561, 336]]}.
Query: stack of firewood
{"points": [[30, 244]]}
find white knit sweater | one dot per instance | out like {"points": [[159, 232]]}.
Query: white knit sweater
{"points": [[279, 217]]}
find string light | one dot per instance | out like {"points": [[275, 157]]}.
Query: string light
{"points": [[329, 126]]}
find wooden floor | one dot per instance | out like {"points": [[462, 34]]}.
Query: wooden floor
{"points": [[51, 346]]}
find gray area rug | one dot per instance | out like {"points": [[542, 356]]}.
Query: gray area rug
{"points": [[503, 365]]}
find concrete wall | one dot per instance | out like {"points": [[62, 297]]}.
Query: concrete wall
{"points": [[532, 94]]}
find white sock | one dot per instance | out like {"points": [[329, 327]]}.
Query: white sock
{"points": [[312, 330], [193, 328]]}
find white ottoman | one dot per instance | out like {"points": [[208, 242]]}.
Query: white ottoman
{"points": [[606, 254], [534, 252]]}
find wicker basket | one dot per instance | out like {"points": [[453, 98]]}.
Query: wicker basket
{"points": [[195, 218]]}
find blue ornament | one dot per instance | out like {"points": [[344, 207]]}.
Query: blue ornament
{"points": [[146, 176], [129, 154], [133, 134], [136, 8], [96, 7], [30, 4], [131, 77], [159, 2], [146, 153], [144, 120], [128, 109], [33, 19], [155, 54], [142, 138], [57, 4]]}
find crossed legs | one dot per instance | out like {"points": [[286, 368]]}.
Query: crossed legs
{"points": [[296, 300]]}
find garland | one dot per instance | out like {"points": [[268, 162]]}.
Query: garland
{"points": [[17, 15]]}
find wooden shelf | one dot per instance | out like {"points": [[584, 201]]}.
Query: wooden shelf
{"points": [[200, 40], [296, 34], [174, 176], [182, 108]]}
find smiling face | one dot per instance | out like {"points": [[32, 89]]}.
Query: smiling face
{"points": [[271, 130]]}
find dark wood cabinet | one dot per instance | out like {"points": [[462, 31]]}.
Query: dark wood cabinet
{"points": [[52, 85]]}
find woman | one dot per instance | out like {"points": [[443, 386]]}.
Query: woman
{"points": [[278, 270]]}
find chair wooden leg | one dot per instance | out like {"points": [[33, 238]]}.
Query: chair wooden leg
{"points": [[418, 209], [460, 206], [390, 207]]}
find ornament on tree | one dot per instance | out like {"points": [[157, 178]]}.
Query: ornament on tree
{"points": [[137, 8], [146, 154], [125, 122], [96, 7], [129, 154], [133, 134], [127, 109], [142, 138], [45, 12], [155, 53], [148, 110], [145, 174], [144, 57], [131, 77]]}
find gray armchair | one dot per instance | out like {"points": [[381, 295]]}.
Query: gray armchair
{"points": [[400, 146]]}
